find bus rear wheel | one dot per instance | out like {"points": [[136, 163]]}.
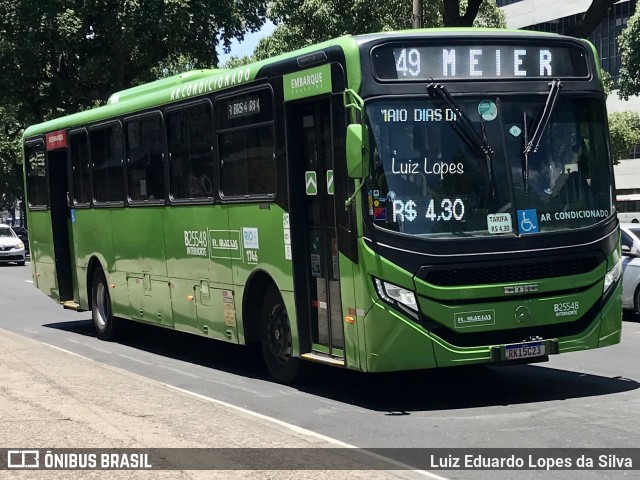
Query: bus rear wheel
{"points": [[105, 325], [276, 338]]}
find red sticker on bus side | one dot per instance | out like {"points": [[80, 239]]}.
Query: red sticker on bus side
{"points": [[56, 140]]}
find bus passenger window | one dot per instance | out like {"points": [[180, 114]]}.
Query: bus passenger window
{"points": [[107, 156], [246, 146], [201, 185], [145, 166], [248, 161], [81, 165], [190, 142], [36, 175]]}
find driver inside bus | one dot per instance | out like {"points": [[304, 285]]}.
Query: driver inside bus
{"points": [[572, 182]]}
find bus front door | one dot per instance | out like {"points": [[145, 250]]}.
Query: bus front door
{"points": [[316, 255]]}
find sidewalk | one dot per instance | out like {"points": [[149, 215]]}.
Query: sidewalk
{"points": [[53, 399]]}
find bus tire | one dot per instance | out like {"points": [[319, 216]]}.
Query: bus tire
{"points": [[105, 326], [276, 339]]}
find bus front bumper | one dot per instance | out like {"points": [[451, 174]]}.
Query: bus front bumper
{"points": [[395, 342]]}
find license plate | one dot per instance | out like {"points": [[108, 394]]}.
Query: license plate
{"points": [[524, 350]]}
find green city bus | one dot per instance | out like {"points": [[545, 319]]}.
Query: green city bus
{"points": [[383, 202]]}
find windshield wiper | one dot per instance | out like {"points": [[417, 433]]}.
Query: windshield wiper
{"points": [[541, 125], [464, 128]]}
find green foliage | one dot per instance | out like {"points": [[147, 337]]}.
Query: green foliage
{"points": [[11, 184], [607, 82], [63, 56], [629, 43], [624, 128], [489, 15], [173, 65], [302, 23], [234, 62]]}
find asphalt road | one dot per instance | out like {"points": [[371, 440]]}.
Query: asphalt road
{"points": [[584, 399]]}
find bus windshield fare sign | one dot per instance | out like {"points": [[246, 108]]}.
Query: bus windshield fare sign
{"points": [[478, 62]]}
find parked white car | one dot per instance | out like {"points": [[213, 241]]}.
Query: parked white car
{"points": [[630, 240], [11, 247]]}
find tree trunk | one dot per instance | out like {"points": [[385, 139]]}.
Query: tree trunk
{"points": [[451, 13], [591, 18], [417, 14]]}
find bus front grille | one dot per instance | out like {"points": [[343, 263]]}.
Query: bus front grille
{"points": [[522, 270]]}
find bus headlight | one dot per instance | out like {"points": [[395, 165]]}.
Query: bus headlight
{"points": [[612, 276], [397, 296]]}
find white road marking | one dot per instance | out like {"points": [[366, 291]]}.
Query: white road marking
{"points": [[73, 341], [70, 352], [133, 359], [29, 281], [179, 372], [29, 330], [98, 349], [304, 431], [240, 387], [289, 426]]}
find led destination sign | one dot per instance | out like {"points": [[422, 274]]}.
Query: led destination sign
{"points": [[477, 62], [243, 107]]}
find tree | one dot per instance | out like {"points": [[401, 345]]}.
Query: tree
{"points": [[453, 16], [60, 56], [629, 42], [590, 19], [607, 82], [305, 22], [624, 129], [11, 185]]}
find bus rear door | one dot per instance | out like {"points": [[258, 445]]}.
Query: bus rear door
{"points": [[61, 220]]}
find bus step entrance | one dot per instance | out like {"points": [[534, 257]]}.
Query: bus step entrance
{"points": [[323, 358], [71, 305]]}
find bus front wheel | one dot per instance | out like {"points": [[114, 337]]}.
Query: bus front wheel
{"points": [[276, 338], [105, 325]]}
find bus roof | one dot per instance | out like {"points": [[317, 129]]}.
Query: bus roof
{"points": [[162, 84], [200, 82]]}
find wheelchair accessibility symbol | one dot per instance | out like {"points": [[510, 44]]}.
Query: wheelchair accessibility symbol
{"points": [[528, 221]]}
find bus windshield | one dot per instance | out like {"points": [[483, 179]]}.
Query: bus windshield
{"points": [[430, 178]]}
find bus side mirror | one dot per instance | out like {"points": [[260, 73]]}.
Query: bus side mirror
{"points": [[355, 150]]}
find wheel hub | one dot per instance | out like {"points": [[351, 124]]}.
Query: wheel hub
{"points": [[279, 337]]}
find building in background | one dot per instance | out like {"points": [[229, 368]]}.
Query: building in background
{"points": [[557, 16]]}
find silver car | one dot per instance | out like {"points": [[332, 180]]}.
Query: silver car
{"points": [[11, 247], [630, 240]]}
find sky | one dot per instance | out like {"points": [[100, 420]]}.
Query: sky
{"points": [[247, 46]]}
